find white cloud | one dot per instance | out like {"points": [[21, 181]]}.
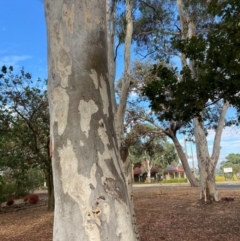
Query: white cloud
{"points": [[13, 60], [228, 134], [230, 143]]}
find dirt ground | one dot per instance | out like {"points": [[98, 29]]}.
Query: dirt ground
{"points": [[162, 214]]}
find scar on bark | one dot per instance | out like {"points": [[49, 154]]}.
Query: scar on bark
{"points": [[97, 211], [123, 152], [111, 187]]}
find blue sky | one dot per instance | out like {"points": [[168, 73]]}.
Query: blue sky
{"points": [[23, 36], [24, 44]]}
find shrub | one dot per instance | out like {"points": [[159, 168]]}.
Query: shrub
{"points": [[25, 199], [220, 179], [10, 202], [175, 180], [6, 189], [235, 178], [33, 199]]}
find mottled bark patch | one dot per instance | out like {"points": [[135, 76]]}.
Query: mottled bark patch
{"points": [[86, 110], [60, 103], [78, 187], [94, 77], [104, 95], [123, 221], [103, 90], [60, 53], [111, 187], [107, 154]]}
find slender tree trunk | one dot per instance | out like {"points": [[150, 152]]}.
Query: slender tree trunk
{"points": [[184, 29], [111, 34], [171, 133], [91, 197], [49, 178], [149, 166], [191, 178], [126, 82], [120, 113]]}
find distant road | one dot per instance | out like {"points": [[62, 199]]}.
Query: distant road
{"points": [[157, 185], [228, 186]]}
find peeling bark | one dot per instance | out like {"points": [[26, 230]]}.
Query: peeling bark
{"points": [[89, 185]]}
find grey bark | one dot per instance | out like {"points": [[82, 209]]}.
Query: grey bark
{"points": [[91, 197], [207, 163], [171, 132]]}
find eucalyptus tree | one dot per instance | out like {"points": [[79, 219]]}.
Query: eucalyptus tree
{"points": [[213, 75], [145, 145], [193, 25], [25, 125], [138, 113], [211, 66], [89, 158]]}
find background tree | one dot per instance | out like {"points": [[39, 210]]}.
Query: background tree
{"points": [[24, 141], [206, 69], [232, 160], [139, 113], [150, 145]]}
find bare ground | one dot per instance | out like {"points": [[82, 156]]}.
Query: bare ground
{"points": [[162, 214]]}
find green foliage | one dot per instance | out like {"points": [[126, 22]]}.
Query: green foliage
{"points": [[24, 128], [215, 56], [177, 97], [232, 160], [143, 142], [18, 186], [175, 180], [6, 189]]}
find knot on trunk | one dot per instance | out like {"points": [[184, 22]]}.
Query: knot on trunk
{"points": [[124, 152]]}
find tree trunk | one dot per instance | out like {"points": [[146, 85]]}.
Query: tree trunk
{"points": [[171, 133], [49, 178], [149, 166], [120, 113], [111, 35], [206, 165], [191, 178], [89, 186]]}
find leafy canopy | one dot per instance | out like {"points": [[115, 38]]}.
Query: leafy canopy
{"points": [[216, 57]]}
